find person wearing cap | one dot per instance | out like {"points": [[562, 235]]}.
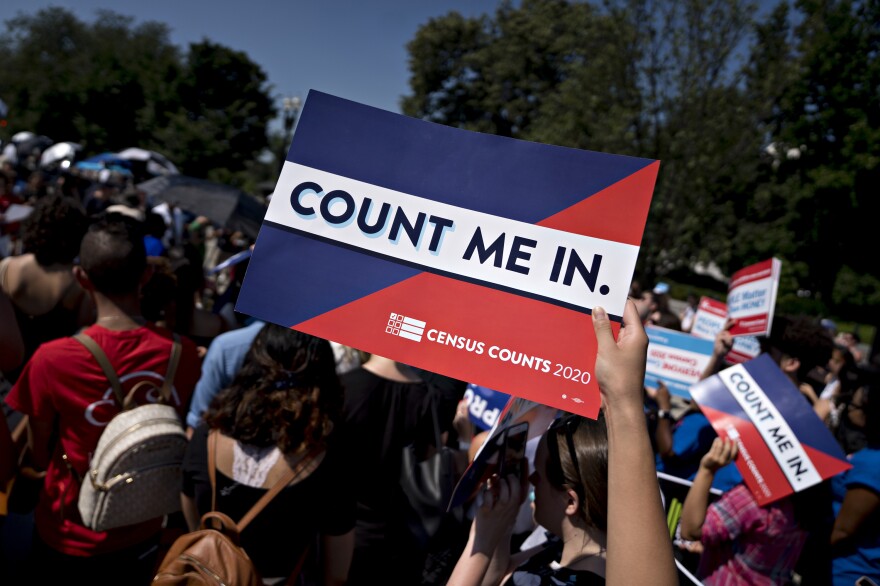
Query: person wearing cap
{"points": [[689, 313], [654, 308]]}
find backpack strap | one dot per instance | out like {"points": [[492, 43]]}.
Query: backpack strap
{"points": [[102, 359], [126, 401], [212, 463], [266, 498], [282, 482], [172, 370]]}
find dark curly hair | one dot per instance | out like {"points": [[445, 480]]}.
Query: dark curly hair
{"points": [[287, 393], [800, 337], [54, 230]]}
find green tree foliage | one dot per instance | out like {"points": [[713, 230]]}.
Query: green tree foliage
{"points": [[639, 77], [695, 120], [110, 85], [224, 111], [529, 73], [826, 135], [767, 131]]}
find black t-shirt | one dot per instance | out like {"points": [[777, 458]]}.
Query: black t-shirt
{"points": [[542, 569], [323, 503], [383, 415]]}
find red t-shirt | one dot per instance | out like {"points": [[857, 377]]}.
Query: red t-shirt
{"points": [[63, 380]]}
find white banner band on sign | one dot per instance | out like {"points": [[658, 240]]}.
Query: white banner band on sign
{"points": [[751, 299], [779, 437], [576, 270]]}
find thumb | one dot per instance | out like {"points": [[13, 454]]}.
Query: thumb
{"points": [[602, 328]]}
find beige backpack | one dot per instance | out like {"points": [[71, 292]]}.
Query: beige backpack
{"points": [[134, 473]]}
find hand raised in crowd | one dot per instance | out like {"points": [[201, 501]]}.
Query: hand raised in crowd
{"points": [[693, 512], [496, 514], [639, 547], [722, 453], [723, 340], [663, 397], [620, 364], [486, 557], [461, 422], [723, 345]]}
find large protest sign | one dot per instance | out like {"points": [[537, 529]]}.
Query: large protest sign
{"points": [[675, 359], [751, 298], [783, 445], [474, 256], [711, 316]]}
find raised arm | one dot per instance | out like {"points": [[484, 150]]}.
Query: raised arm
{"points": [[693, 512], [486, 557], [859, 505], [639, 547], [663, 432], [338, 553], [723, 344]]}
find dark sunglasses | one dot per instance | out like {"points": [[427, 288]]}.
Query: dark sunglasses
{"points": [[569, 425]]}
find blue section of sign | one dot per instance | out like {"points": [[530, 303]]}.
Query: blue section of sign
{"points": [[300, 262], [679, 340], [714, 394], [675, 387], [484, 405], [787, 399], [494, 175], [809, 429]]}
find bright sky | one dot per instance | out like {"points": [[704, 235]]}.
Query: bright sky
{"points": [[355, 49]]}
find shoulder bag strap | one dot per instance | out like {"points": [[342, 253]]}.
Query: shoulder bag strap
{"points": [[266, 498], [102, 359], [172, 371], [276, 488], [212, 462]]}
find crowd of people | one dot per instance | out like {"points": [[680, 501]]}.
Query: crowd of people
{"points": [[259, 400]]}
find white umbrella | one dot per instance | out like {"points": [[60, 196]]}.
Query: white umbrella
{"points": [[22, 136], [59, 152], [157, 164]]}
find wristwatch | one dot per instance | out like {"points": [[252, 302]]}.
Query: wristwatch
{"points": [[664, 414]]}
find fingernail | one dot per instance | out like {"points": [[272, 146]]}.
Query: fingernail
{"points": [[599, 312]]}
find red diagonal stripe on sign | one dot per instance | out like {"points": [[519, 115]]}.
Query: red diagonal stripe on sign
{"points": [[765, 464], [560, 336], [825, 464], [617, 213]]}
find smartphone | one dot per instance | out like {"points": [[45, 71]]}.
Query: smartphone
{"points": [[512, 454]]}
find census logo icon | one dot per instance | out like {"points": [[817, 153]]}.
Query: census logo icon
{"points": [[405, 327]]}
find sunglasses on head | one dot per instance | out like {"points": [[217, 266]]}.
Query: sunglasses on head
{"points": [[569, 425]]}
